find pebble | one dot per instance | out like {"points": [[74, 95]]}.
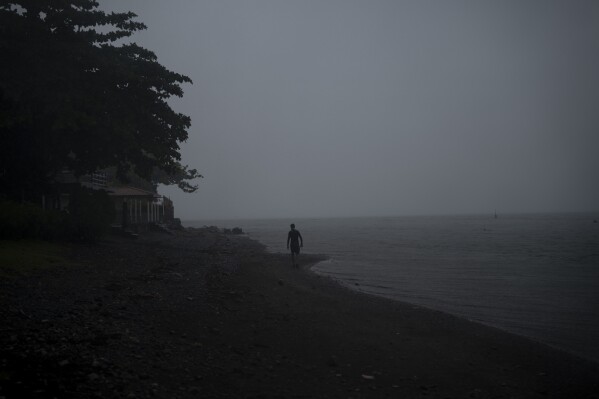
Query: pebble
{"points": [[92, 376]]}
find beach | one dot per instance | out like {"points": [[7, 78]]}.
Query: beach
{"points": [[202, 314]]}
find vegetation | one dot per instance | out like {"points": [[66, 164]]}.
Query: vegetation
{"points": [[90, 214], [72, 97], [88, 217], [25, 256], [19, 221]]}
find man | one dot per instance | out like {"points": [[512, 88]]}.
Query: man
{"points": [[295, 238]]}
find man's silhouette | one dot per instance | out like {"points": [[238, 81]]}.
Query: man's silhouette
{"points": [[295, 239]]}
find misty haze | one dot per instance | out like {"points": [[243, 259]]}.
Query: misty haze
{"points": [[299, 199], [354, 108]]}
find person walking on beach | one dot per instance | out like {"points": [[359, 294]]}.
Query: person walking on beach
{"points": [[295, 239]]}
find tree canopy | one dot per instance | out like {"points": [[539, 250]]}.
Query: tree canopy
{"points": [[74, 96]]}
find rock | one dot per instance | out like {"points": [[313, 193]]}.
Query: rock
{"points": [[332, 362]]}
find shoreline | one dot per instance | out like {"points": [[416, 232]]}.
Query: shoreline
{"points": [[468, 329], [203, 314], [351, 288]]}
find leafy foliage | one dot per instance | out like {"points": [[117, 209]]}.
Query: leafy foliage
{"points": [[180, 177], [18, 221], [70, 97], [88, 217], [90, 212]]}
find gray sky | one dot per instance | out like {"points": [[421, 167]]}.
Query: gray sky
{"points": [[318, 108]]}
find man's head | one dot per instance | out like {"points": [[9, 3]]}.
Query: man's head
{"points": [[292, 226]]}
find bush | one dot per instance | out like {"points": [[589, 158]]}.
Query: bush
{"points": [[89, 216], [30, 221], [91, 213]]}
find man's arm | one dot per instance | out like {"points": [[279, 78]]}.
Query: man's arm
{"points": [[288, 238], [301, 239]]}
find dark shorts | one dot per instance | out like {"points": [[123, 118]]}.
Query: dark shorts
{"points": [[295, 248]]}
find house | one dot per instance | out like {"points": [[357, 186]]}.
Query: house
{"points": [[138, 207], [137, 203]]}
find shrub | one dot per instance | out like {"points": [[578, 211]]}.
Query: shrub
{"points": [[91, 214], [30, 221]]}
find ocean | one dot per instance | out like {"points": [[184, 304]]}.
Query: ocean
{"points": [[533, 275]]}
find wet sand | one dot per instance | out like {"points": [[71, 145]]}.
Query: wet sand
{"points": [[207, 315]]}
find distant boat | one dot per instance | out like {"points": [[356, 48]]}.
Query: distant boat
{"points": [[495, 215]]}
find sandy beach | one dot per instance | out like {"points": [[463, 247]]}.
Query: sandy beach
{"points": [[201, 314]]}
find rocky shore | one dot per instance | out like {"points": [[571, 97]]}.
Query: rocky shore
{"points": [[202, 314]]}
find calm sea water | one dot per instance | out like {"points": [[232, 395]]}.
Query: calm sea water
{"points": [[533, 275]]}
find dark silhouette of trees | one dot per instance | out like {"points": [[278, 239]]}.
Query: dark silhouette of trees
{"points": [[72, 97]]}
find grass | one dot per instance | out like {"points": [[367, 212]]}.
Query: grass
{"points": [[24, 257]]}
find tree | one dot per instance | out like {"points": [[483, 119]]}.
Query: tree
{"points": [[71, 98]]}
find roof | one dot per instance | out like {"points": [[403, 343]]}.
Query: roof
{"points": [[126, 191]]}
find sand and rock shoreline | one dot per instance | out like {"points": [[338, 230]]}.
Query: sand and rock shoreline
{"points": [[201, 314]]}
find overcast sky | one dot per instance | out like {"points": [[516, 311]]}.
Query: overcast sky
{"points": [[358, 108]]}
